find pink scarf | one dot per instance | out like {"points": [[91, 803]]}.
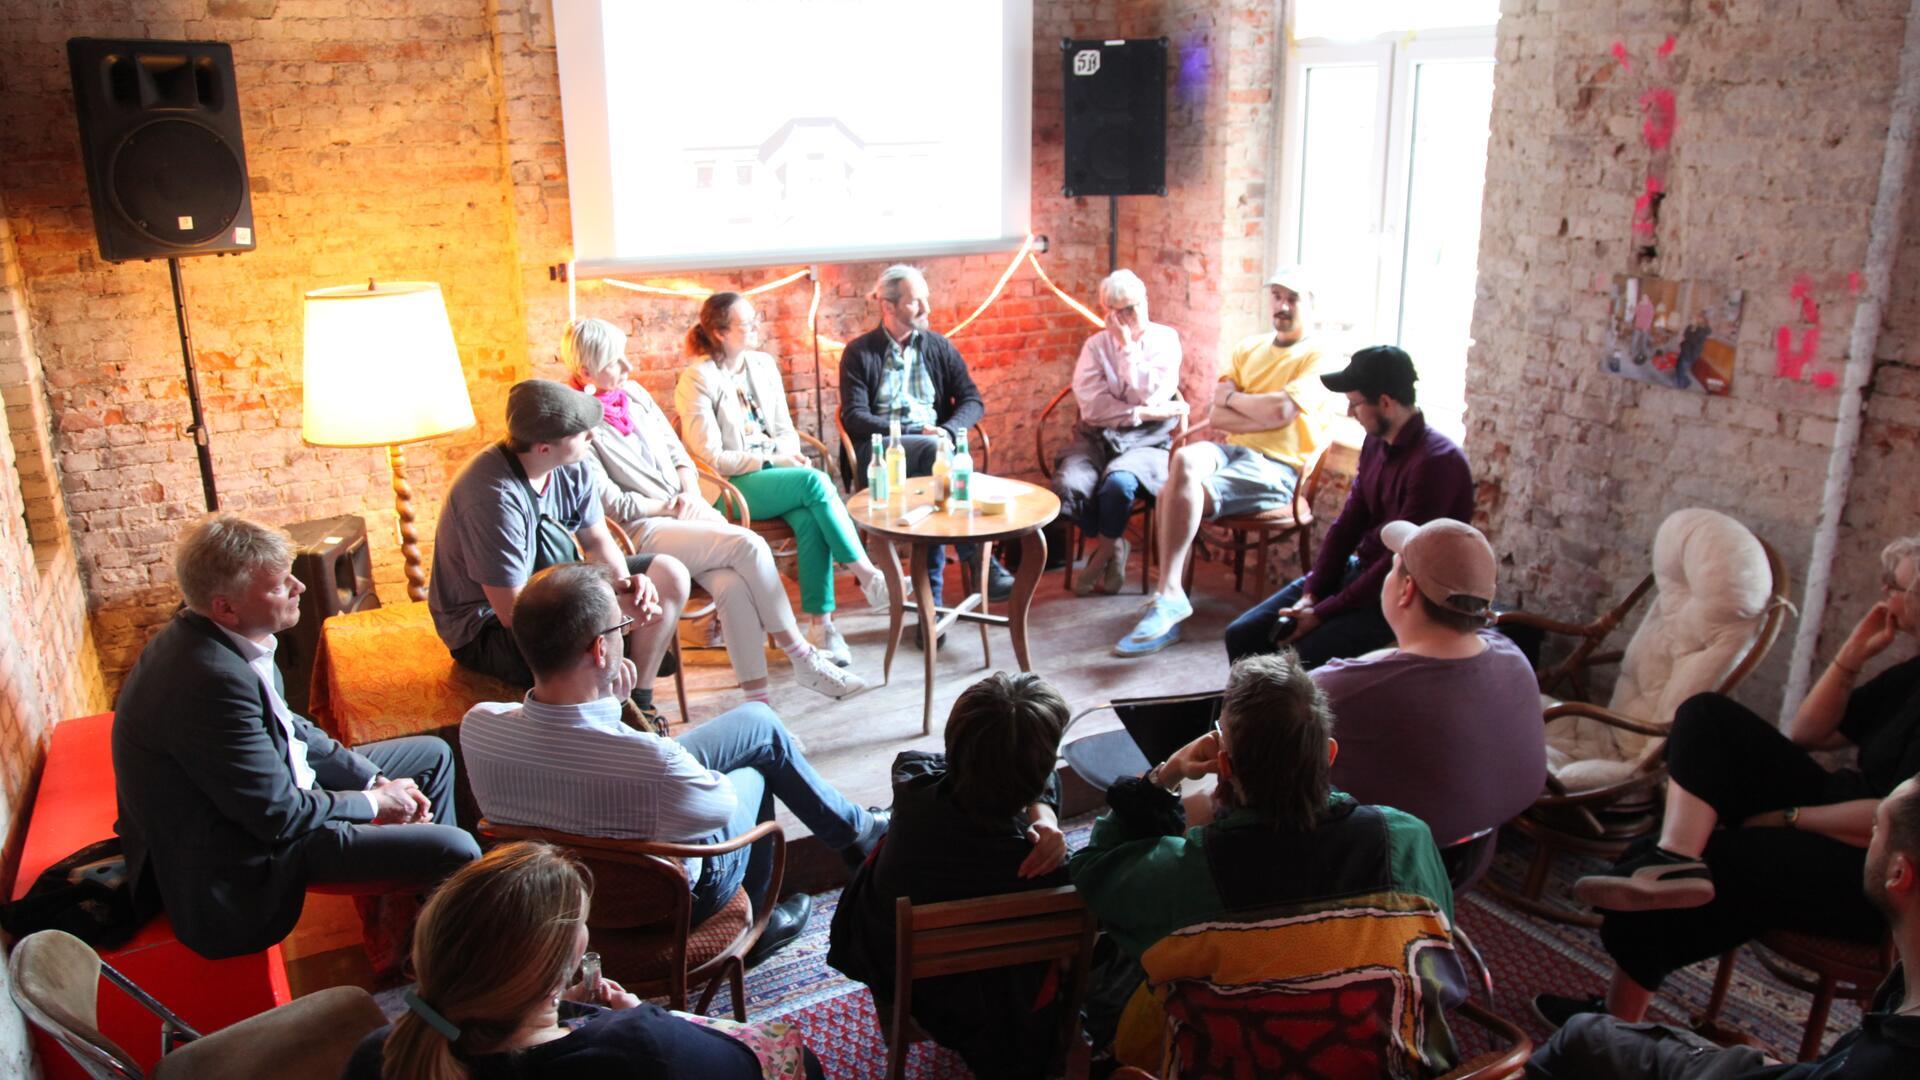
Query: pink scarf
{"points": [[613, 406]]}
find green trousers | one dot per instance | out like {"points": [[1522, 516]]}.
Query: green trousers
{"points": [[822, 531]]}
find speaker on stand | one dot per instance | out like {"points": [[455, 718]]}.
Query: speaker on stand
{"points": [[331, 558], [166, 167], [1115, 103]]}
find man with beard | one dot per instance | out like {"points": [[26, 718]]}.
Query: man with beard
{"points": [[562, 759], [1263, 401], [1886, 1044], [1407, 472]]}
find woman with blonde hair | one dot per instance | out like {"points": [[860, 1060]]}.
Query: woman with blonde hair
{"points": [[495, 954], [648, 485], [734, 408]]}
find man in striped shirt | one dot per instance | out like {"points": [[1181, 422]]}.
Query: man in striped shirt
{"points": [[563, 760]]}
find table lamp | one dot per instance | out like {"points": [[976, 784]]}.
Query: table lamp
{"points": [[382, 370]]}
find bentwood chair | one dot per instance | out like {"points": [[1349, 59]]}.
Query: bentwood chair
{"points": [[642, 915], [55, 980], [1142, 504], [1257, 533], [1825, 967]]}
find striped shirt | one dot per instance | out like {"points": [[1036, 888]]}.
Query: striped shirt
{"points": [[578, 769]]}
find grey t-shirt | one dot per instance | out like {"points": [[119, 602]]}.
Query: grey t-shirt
{"points": [[486, 536], [1456, 743]]}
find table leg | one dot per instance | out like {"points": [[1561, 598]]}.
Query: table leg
{"points": [[1033, 563], [929, 619], [896, 605], [986, 588]]}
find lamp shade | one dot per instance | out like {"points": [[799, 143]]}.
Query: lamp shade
{"points": [[380, 366]]}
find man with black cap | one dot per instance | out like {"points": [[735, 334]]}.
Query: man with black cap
{"points": [[1445, 725], [520, 506], [1264, 401], [1407, 472]]}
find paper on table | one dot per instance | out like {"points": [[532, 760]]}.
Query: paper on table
{"points": [[915, 516], [983, 484]]}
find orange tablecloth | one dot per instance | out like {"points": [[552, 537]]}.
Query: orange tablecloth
{"points": [[383, 673]]}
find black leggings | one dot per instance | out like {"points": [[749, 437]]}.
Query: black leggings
{"points": [[1764, 879]]}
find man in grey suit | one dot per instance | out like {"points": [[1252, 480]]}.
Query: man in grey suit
{"points": [[231, 805]]}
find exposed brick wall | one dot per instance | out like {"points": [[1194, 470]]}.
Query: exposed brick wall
{"points": [[1771, 172], [48, 667]]}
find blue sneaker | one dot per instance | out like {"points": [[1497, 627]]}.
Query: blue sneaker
{"points": [[1157, 629]]}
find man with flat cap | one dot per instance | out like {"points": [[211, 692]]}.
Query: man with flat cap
{"points": [[1265, 402], [520, 506], [1407, 472], [1446, 724]]}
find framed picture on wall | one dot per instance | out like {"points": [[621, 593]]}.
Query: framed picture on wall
{"points": [[1677, 334]]}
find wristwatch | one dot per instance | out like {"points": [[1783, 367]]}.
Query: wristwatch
{"points": [[1790, 817]]}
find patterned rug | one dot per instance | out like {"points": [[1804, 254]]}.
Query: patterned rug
{"points": [[1527, 956]]}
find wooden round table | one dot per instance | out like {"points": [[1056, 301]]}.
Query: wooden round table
{"points": [[1030, 507]]}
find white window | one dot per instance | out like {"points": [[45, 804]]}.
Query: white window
{"points": [[1384, 156]]}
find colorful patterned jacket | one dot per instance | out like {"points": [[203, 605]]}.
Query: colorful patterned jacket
{"points": [[1324, 954]]}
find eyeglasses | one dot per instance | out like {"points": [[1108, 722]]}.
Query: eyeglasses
{"points": [[1891, 583], [617, 628]]}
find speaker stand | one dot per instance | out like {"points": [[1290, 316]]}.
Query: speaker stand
{"points": [[1113, 233], [198, 430]]}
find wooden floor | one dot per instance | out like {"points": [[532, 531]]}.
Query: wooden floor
{"points": [[852, 742]]}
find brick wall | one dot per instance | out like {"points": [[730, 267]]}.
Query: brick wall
{"points": [[48, 667], [1781, 115]]}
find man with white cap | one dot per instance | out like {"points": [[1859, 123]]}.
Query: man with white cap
{"points": [[1264, 402], [522, 505], [1445, 725], [1407, 472]]}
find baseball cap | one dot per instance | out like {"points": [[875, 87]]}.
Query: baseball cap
{"points": [[1379, 369], [544, 411], [1292, 277], [1449, 560]]}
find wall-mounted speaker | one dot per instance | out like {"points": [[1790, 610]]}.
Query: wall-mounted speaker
{"points": [[160, 135], [331, 558], [1116, 116]]}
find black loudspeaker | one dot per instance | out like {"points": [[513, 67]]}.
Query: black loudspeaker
{"points": [[160, 133], [1116, 116], [331, 558]]}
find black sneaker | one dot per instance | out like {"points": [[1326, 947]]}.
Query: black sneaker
{"points": [[999, 581], [857, 852], [1554, 1010], [1654, 880]]}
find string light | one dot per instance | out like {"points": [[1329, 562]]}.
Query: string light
{"points": [[1005, 275], [1068, 300]]}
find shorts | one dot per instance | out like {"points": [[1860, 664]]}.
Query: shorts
{"points": [[1248, 481]]}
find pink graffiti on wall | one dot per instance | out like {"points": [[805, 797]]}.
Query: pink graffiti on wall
{"points": [[1791, 362], [1659, 119]]}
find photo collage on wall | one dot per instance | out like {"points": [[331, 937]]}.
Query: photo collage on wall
{"points": [[1678, 334]]}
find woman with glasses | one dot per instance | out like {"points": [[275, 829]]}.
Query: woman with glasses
{"points": [[496, 952], [1758, 834], [648, 484], [734, 410]]}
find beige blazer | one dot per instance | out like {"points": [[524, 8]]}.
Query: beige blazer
{"points": [[713, 420]]}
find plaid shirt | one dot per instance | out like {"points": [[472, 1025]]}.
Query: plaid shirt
{"points": [[907, 390]]}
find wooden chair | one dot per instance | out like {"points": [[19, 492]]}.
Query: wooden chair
{"points": [[976, 935], [1142, 504], [982, 453], [1603, 821], [777, 533], [1257, 533], [643, 910], [1849, 970], [625, 544], [55, 979]]}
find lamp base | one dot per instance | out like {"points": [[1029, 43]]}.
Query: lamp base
{"points": [[409, 539]]}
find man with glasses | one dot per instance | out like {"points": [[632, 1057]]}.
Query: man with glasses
{"points": [[903, 369], [562, 759], [524, 504]]}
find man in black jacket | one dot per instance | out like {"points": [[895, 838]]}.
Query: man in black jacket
{"points": [[902, 368], [231, 805]]}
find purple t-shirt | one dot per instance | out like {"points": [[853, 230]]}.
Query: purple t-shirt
{"points": [[1456, 743]]}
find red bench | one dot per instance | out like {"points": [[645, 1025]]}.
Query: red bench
{"points": [[76, 807]]}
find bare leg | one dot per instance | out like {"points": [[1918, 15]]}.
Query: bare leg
{"points": [[1688, 824], [1184, 501], [648, 644], [1626, 999]]}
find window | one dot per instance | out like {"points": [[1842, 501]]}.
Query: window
{"points": [[1384, 156]]}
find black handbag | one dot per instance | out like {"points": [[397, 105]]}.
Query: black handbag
{"points": [[87, 894]]}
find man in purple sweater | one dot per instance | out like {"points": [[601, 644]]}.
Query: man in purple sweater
{"points": [[1407, 472], [1446, 724]]}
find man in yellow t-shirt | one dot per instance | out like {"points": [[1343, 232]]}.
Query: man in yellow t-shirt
{"points": [[1263, 402]]}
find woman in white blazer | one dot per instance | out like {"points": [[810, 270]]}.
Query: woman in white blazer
{"points": [[733, 409]]}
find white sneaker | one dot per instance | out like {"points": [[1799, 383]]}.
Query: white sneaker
{"points": [[826, 637], [816, 672], [875, 589]]}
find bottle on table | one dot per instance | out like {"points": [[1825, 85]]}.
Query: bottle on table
{"points": [[960, 475], [896, 463], [942, 470], [876, 476]]}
